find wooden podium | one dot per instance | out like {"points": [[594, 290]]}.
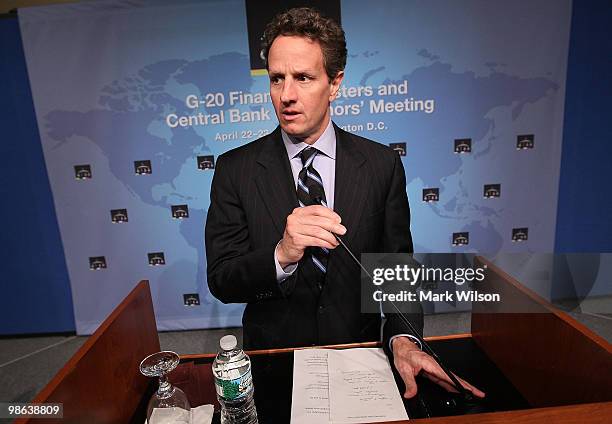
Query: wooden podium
{"points": [[561, 371]]}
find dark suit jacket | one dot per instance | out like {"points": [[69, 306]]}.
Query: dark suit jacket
{"points": [[252, 194]]}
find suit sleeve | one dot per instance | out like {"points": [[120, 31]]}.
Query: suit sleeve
{"points": [[236, 273], [397, 239]]}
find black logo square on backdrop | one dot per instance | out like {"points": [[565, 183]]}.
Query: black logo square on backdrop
{"points": [[206, 162], [97, 262], [431, 194], [191, 299], [143, 167], [119, 216], [180, 211], [520, 234], [400, 148], [156, 258], [491, 190], [82, 172], [463, 145], [461, 239], [525, 141]]}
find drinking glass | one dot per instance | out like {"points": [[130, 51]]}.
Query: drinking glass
{"points": [[167, 396]]}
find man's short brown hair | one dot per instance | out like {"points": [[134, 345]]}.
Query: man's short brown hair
{"points": [[308, 22]]}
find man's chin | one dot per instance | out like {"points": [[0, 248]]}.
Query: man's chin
{"points": [[292, 129]]}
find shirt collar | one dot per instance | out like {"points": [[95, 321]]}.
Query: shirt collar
{"points": [[326, 144]]}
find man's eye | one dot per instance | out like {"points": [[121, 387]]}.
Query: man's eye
{"points": [[274, 80], [303, 78]]}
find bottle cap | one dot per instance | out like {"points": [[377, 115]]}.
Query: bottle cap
{"points": [[228, 342]]}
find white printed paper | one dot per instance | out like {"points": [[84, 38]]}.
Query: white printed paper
{"points": [[362, 388], [310, 404], [344, 386]]}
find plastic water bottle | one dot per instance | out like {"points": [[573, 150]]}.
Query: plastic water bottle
{"points": [[234, 383]]}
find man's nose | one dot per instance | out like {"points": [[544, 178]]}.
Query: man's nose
{"points": [[288, 92]]}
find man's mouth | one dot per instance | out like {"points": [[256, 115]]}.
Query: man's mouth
{"points": [[290, 115]]}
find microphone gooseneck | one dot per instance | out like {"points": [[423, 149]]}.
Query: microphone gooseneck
{"points": [[466, 394]]}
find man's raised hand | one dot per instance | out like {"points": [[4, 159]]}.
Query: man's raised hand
{"points": [[309, 226]]}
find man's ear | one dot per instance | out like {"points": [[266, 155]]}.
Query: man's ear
{"points": [[335, 85]]}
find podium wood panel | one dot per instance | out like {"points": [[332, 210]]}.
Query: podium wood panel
{"points": [[101, 383], [551, 358], [591, 413]]}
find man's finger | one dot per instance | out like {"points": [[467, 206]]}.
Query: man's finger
{"points": [[442, 383], [316, 232], [323, 222], [407, 375], [432, 369], [303, 240], [319, 210], [477, 392]]}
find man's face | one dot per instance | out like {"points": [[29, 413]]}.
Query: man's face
{"points": [[300, 89]]}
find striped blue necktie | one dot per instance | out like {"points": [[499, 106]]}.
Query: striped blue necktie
{"points": [[310, 192]]}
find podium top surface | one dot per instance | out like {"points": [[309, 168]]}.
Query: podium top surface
{"points": [[273, 379]]}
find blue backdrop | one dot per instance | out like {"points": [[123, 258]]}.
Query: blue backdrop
{"points": [[587, 24], [114, 83]]}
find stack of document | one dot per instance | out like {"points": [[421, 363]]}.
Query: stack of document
{"points": [[344, 386]]}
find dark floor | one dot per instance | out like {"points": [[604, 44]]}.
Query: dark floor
{"points": [[28, 363]]}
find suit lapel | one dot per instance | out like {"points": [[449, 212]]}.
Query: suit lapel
{"points": [[351, 185], [275, 182]]}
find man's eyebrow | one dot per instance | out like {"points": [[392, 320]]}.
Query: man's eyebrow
{"points": [[304, 72], [300, 72]]}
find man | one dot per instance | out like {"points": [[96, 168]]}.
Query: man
{"points": [[278, 202]]}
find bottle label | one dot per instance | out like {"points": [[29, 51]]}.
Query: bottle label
{"points": [[234, 389]]}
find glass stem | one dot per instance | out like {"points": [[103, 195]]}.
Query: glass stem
{"points": [[165, 388]]}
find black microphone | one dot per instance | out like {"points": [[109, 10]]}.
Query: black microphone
{"points": [[317, 197]]}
